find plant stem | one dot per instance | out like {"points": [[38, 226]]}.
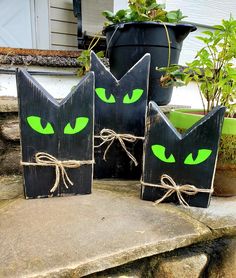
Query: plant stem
{"points": [[203, 104], [169, 43]]}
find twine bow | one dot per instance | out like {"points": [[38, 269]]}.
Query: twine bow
{"points": [[45, 159], [172, 188], [109, 135]]}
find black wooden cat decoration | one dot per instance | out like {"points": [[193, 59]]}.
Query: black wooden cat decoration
{"points": [[120, 111], [180, 167], [56, 138]]}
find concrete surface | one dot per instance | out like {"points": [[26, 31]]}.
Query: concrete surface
{"points": [[220, 217], [79, 235]]}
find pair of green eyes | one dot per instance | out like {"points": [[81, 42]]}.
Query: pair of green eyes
{"points": [[136, 95], [35, 123], [159, 152]]}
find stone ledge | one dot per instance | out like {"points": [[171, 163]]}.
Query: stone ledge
{"points": [[29, 60], [56, 58], [80, 235], [220, 217], [8, 104], [9, 51]]}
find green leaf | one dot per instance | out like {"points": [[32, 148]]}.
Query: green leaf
{"points": [[198, 71], [100, 54], [172, 16], [120, 14], [208, 73], [144, 10], [108, 15], [203, 39], [209, 33], [175, 16], [219, 27]]}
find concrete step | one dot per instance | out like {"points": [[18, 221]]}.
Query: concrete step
{"points": [[79, 235]]}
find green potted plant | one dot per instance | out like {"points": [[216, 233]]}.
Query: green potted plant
{"points": [[215, 74], [145, 27], [84, 58]]}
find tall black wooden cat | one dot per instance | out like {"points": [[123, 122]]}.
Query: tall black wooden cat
{"points": [[188, 158], [63, 130], [120, 106]]}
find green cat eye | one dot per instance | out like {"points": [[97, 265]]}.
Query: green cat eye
{"points": [[202, 155], [159, 152], [80, 124], [35, 123], [136, 95], [101, 93]]}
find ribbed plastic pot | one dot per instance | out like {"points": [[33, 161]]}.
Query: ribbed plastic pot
{"points": [[128, 42]]}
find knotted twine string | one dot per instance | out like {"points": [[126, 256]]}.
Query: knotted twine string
{"points": [[109, 135], [172, 188], [45, 159]]}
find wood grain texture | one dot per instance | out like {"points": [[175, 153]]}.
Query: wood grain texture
{"points": [[35, 101], [121, 118], [205, 134]]}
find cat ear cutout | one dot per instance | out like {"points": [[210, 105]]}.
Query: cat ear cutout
{"points": [[83, 90], [209, 124], [29, 88], [138, 71], [157, 119]]}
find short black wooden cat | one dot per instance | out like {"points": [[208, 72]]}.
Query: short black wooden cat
{"points": [[63, 130], [120, 106], [188, 158]]}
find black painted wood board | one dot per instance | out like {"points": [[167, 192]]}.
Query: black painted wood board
{"points": [[56, 131], [189, 158], [120, 105]]}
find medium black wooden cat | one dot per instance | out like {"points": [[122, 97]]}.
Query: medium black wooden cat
{"points": [[120, 106], [188, 158], [61, 131]]}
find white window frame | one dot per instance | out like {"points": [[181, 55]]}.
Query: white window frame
{"points": [[40, 24]]}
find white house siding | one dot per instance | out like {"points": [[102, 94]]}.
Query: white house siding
{"points": [[63, 25], [203, 13], [92, 18]]}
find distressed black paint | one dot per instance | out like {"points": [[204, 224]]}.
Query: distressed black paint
{"points": [[204, 134], [121, 118], [34, 100]]}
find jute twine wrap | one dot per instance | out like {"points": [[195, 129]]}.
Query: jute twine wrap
{"points": [[169, 184], [109, 136], [45, 159]]}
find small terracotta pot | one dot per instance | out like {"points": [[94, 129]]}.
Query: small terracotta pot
{"points": [[225, 180]]}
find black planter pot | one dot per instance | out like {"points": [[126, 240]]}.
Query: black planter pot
{"points": [[128, 42]]}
